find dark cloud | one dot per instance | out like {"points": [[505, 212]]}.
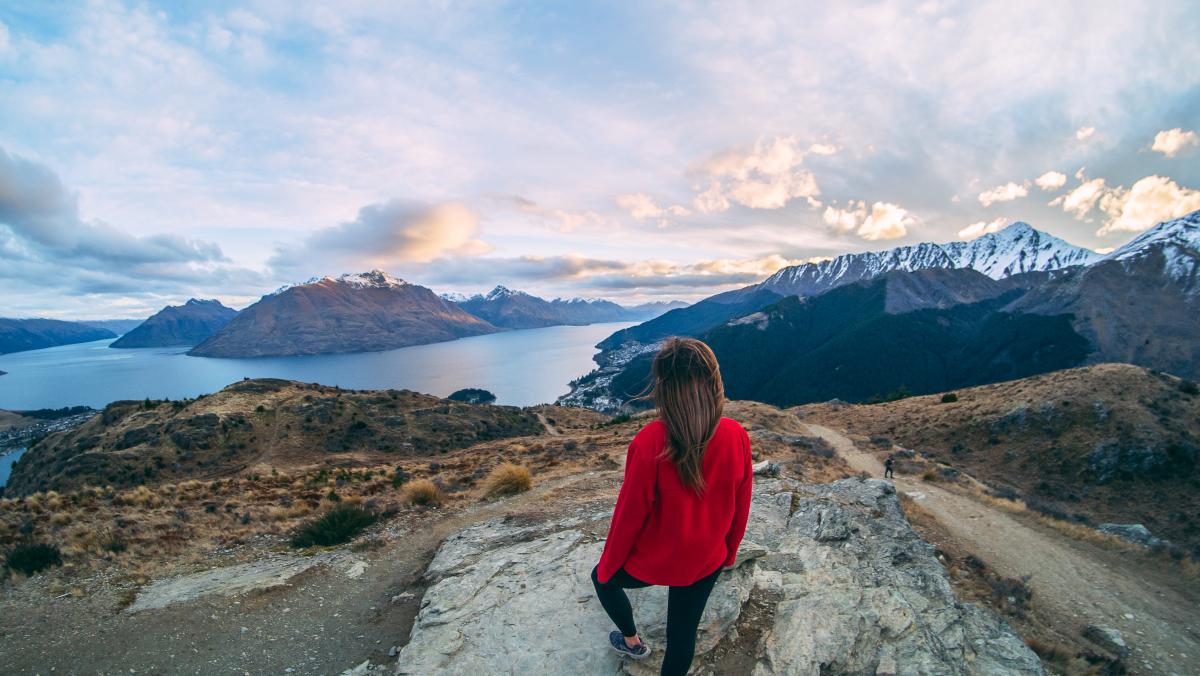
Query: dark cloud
{"points": [[47, 247]]}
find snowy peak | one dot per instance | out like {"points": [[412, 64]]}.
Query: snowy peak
{"points": [[1182, 232], [1015, 249], [455, 297], [374, 279], [502, 291]]}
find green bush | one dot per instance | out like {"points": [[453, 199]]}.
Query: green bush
{"points": [[334, 527], [33, 557], [949, 398], [1189, 387]]}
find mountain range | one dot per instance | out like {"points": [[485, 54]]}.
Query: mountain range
{"points": [[932, 317], [506, 308], [179, 325]]}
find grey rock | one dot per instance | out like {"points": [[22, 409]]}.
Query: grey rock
{"points": [[1108, 638], [856, 591], [227, 581], [1131, 532]]}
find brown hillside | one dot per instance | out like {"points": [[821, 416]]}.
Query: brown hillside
{"points": [[1106, 443], [257, 423]]}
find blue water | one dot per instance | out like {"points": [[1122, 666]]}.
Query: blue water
{"points": [[521, 368], [6, 462]]}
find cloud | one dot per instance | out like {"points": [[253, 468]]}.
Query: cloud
{"points": [[562, 219], [581, 272], [1080, 201], [1171, 141], [884, 220], [822, 149], [1151, 200], [385, 235], [1003, 193], [1084, 133], [766, 175], [1051, 180], [642, 207], [982, 228]]}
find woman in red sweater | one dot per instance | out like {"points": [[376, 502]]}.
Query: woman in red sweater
{"points": [[683, 507]]}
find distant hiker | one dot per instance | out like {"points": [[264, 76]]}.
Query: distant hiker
{"points": [[887, 468], [683, 506]]}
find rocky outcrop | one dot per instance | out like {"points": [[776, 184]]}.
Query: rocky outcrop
{"points": [[851, 589]]}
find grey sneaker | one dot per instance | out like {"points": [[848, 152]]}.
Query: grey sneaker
{"points": [[640, 652]]}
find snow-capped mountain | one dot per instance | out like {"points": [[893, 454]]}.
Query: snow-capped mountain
{"points": [[363, 312], [1015, 249], [1179, 233], [360, 280]]}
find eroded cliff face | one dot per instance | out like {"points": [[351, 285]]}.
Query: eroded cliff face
{"points": [[831, 580]]}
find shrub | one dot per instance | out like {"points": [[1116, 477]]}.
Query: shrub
{"points": [[1189, 387], [332, 496], [949, 398], [114, 544], [32, 557], [473, 395], [334, 527], [507, 479], [619, 418], [423, 492], [930, 475]]}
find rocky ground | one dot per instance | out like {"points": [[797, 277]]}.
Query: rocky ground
{"points": [[832, 574]]}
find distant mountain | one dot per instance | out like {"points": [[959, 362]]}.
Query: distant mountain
{"points": [[924, 331], [179, 325], [1016, 249], [511, 309], [1140, 305], [117, 326], [352, 313], [18, 335]]}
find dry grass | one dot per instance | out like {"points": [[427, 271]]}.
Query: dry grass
{"points": [[423, 492], [507, 479]]}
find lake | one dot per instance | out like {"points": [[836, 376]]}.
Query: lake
{"points": [[7, 460], [521, 368]]}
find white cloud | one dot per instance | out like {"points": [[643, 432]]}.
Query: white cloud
{"points": [[764, 176], [562, 219], [1171, 141], [3, 38], [822, 149], [1051, 180], [385, 235], [1080, 201], [982, 228], [1003, 193], [1084, 133], [1151, 199], [642, 206], [883, 220]]}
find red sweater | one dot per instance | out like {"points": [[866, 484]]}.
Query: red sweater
{"points": [[663, 533]]}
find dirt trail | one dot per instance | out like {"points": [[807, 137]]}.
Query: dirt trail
{"points": [[550, 429], [1160, 623], [322, 622]]}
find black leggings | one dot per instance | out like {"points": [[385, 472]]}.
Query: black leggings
{"points": [[685, 606]]}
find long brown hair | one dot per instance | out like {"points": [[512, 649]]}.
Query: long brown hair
{"points": [[690, 397]]}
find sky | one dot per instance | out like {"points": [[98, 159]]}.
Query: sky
{"points": [[634, 151]]}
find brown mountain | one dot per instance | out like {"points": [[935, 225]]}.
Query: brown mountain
{"points": [[1140, 305], [270, 423], [353, 313], [177, 325]]}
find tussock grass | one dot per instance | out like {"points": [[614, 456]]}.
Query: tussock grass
{"points": [[423, 492], [507, 479], [334, 527]]}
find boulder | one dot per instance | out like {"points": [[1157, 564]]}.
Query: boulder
{"points": [[1108, 638], [1131, 532], [853, 590]]}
